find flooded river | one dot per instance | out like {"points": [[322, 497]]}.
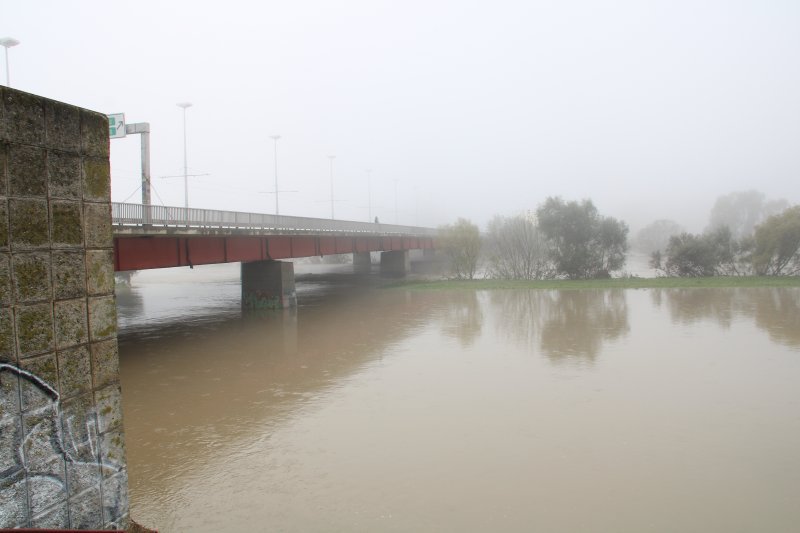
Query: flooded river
{"points": [[373, 409]]}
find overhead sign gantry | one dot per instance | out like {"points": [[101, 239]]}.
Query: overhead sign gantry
{"points": [[117, 129]]}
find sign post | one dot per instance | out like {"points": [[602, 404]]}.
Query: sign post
{"points": [[118, 128]]}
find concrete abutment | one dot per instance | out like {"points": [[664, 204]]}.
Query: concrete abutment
{"points": [[62, 447]]}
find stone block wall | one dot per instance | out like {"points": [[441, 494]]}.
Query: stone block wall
{"points": [[62, 457]]}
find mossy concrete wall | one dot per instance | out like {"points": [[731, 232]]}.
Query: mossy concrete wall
{"points": [[62, 457]]}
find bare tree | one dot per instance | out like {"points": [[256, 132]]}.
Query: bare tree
{"points": [[516, 249]]}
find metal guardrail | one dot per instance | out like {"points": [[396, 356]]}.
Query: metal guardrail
{"points": [[123, 214]]}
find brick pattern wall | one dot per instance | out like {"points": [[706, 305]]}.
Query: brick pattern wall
{"points": [[62, 457]]}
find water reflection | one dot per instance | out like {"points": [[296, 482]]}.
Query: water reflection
{"points": [[130, 302], [564, 324], [774, 310], [208, 380], [363, 403], [777, 311], [462, 317], [687, 306]]}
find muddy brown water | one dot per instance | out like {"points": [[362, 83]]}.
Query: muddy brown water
{"points": [[371, 409]]}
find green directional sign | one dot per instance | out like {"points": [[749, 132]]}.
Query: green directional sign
{"points": [[116, 125]]}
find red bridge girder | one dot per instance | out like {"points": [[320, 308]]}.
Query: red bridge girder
{"points": [[145, 252]]}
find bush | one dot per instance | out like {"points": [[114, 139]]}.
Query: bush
{"points": [[711, 254], [461, 243]]}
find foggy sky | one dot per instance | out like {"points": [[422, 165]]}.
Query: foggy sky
{"points": [[652, 109]]}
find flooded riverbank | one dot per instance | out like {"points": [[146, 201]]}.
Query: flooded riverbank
{"points": [[370, 409]]}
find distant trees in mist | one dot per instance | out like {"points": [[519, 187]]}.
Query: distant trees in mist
{"points": [[655, 236], [746, 235], [742, 211], [564, 239]]}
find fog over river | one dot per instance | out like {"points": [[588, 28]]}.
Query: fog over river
{"points": [[384, 409]]}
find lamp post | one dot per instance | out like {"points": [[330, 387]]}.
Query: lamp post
{"points": [[8, 42], [369, 195], [275, 138], [332, 157], [184, 105], [395, 201]]}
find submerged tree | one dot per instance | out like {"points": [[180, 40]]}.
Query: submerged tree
{"points": [[516, 249], [584, 244], [461, 243]]}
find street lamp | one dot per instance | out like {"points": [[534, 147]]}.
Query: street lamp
{"points": [[184, 105], [332, 157], [395, 201], [8, 42], [275, 138], [369, 195]]}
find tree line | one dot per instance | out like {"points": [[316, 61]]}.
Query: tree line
{"points": [[563, 239], [747, 235]]}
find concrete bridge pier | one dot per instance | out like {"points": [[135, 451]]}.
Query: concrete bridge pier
{"points": [[268, 285], [395, 263], [362, 262]]}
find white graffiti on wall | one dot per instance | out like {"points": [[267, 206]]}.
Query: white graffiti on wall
{"points": [[51, 454]]}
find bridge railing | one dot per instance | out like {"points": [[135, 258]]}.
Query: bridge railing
{"points": [[124, 214]]}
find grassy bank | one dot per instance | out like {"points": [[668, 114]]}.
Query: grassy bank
{"points": [[617, 283]]}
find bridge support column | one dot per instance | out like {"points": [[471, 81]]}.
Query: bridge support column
{"points": [[395, 263], [429, 254], [268, 285], [362, 261]]}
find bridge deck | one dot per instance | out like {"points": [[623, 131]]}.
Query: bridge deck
{"points": [[160, 237], [136, 219]]}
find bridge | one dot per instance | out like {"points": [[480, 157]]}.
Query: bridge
{"points": [[147, 236], [62, 457], [158, 236]]}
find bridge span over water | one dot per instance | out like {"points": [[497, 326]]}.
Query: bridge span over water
{"points": [[147, 237], [59, 246]]}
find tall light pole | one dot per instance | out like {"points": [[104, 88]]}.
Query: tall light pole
{"points": [[395, 201], [369, 195], [332, 157], [184, 105], [275, 138], [8, 42]]}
